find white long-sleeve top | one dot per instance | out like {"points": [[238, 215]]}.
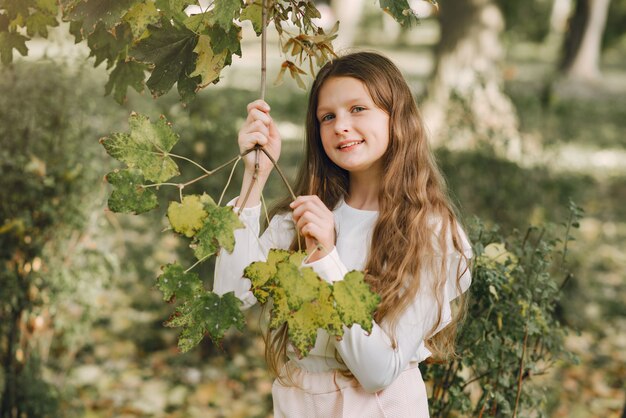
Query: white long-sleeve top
{"points": [[370, 357]]}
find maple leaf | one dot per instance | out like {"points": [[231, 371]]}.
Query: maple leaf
{"points": [[355, 301], [209, 64], [15, 8], [206, 313], [106, 45], [128, 196], [218, 230], [174, 282], [170, 49], [187, 217], [10, 41], [311, 316], [261, 274], [38, 22], [140, 16], [146, 147], [48, 6], [400, 10], [125, 74], [92, 12], [254, 13], [174, 8]]}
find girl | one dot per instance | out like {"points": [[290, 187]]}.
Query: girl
{"points": [[371, 198]]}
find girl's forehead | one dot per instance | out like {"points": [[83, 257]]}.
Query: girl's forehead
{"points": [[337, 90]]}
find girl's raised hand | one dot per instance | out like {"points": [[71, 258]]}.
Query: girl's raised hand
{"points": [[259, 128], [316, 223]]}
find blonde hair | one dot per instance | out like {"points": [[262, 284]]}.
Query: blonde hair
{"points": [[413, 193]]}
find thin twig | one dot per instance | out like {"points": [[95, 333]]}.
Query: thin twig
{"points": [[230, 177], [521, 369], [280, 172], [263, 48]]}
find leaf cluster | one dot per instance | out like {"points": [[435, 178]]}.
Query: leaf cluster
{"points": [[173, 41], [513, 331], [306, 303], [200, 312]]}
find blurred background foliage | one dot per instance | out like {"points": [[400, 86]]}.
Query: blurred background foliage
{"points": [[77, 303]]}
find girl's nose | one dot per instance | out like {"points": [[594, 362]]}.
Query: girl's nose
{"points": [[342, 124]]}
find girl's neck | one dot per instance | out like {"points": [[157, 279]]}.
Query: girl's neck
{"points": [[364, 188]]}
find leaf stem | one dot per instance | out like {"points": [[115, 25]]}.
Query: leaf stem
{"points": [[191, 161], [145, 186], [198, 262]]}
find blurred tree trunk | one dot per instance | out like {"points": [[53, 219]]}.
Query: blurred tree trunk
{"points": [[349, 13], [583, 41], [466, 104]]}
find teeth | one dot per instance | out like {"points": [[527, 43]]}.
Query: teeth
{"points": [[350, 144]]}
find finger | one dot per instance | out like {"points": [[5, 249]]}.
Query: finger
{"points": [[257, 126], [256, 114], [259, 104], [308, 218]]}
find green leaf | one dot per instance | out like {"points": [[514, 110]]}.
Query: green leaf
{"points": [[218, 229], [355, 301], [106, 45], [225, 40], [146, 147], [187, 217], [107, 12], [48, 6], [400, 10], [208, 65], [15, 8], [37, 23], [206, 313], [174, 282], [128, 196], [125, 74], [174, 8], [170, 48], [224, 11], [254, 13], [140, 16], [10, 41]]}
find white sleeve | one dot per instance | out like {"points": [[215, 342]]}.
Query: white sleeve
{"points": [[372, 359], [249, 247]]}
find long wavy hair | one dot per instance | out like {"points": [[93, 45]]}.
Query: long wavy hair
{"points": [[416, 217]]}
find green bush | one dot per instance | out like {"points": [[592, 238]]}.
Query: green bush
{"points": [[512, 331]]}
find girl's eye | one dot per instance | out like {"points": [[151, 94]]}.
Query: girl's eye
{"points": [[326, 117], [356, 109]]}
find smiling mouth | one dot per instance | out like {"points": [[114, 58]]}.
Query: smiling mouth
{"points": [[351, 144]]}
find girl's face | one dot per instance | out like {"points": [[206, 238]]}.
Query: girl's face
{"points": [[354, 131]]}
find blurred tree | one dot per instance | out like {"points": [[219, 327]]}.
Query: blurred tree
{"points": [[47, 175], [467, 81], [583, 40]]}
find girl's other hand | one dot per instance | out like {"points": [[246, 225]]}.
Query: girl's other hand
{"points": [[259, 128], [316, 223]]}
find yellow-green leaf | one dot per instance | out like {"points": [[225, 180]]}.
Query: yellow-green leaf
{"points": [[188, 216], [208, 64], [140, 16], [218, 229], [354, 300]]}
